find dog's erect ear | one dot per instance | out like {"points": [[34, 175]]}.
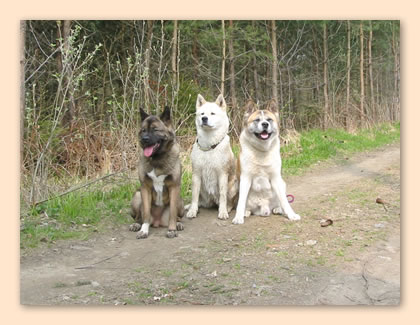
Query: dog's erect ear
{"points": [[220, 101], [143, 114], [272, 106], [200, 101], [165, 117], [249, 107]]}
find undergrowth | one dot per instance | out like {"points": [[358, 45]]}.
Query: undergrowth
{"points": [[79, 214]]}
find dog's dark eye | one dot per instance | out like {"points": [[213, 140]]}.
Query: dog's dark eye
{"points": [[202, 113], [269, 120], [257, 120], [212, 113]]}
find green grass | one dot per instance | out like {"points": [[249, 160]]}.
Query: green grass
{"points": [[75, 215], [316, 145], [79, 214]]}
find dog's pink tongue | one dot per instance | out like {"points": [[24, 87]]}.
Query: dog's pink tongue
{"points": [[264, 135], [148, 151]]}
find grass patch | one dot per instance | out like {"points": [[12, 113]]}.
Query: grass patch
{"points": [[316, 145], [75, 215]]}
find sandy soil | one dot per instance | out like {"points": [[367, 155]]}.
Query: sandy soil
{"points": [[266, 261]]}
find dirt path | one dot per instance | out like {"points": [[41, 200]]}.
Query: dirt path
{"points": [[266, 261]]}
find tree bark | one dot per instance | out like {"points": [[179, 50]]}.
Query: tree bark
{"points": [[254, 67], [316, 91], [222, 86], [396, 96], [22, 85], [372, 97], [362, 82], [174, 52], [232, 67], [275, 61], [147, 66], [347, 114], [68, 84], [326, 102]]}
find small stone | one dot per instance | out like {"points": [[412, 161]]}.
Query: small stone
{"points": [[311, 242], [95, 284], [379, 225]]}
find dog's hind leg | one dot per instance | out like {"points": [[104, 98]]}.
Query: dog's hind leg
{"points": [[279, 188]]}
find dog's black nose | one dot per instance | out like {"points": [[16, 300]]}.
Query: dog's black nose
{"points": [[145, 138], [205, 119], [264, 125]]}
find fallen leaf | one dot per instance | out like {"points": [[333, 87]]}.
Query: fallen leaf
{"points": [[326, 222]]}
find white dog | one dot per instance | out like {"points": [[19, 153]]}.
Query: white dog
{"points": [[214, 181], [262, 190]]}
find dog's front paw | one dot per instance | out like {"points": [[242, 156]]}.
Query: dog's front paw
{"points": [[223, 215], [278, 210], [238, 220], [192, 212], [134, 227], [293, 216], [179, 226], [142, 235], [171, 234]]}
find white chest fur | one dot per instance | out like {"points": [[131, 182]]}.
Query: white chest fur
{"points": [[158, 183]]}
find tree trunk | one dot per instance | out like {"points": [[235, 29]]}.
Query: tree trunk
{"points": [[254, 67], [362, 82], [326, 104], [68, 84], [275, 61], [232, 67], [372, 97], [316, 66], [174, 52], [222, 87], [396, 95], [147, 66], [22, 85], [347, 115]]}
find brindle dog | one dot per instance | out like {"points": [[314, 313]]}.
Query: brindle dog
{"points": [[158, 202]]}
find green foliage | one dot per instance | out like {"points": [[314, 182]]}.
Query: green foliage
{"points": [[75, 215], [315, 145]]}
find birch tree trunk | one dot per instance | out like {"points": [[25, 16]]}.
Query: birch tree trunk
{"points": [[255, 67], [275, 61], [71, 108], [347, 115], [22, 85], [372, 97], [222, 86], [147, 66], [362, 82], [174, 51], [396, 96], [232, 67], [326, 102]]}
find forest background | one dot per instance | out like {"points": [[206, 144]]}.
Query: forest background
{"points": [[82, 83]]}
